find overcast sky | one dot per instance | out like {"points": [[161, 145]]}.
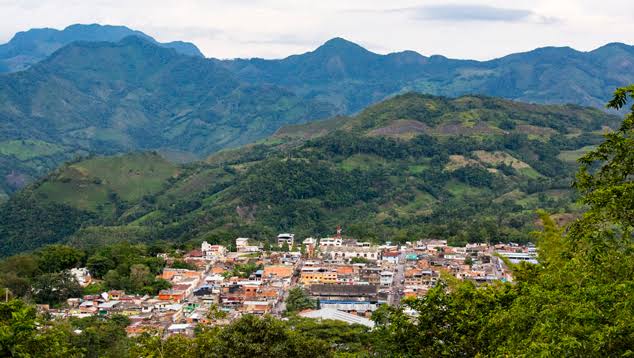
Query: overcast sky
{"points": [[278, 28]]}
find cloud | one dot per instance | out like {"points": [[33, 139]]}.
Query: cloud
{"points": [[465, 12]]}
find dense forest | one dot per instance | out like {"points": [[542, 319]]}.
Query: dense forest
{"points": [[577, 301]]}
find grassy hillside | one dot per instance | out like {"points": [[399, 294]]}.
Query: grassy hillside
{"points": [[467, 169]]}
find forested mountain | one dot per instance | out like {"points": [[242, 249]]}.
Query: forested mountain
{"points": [[352, 77], [104, 97], [95, 97], [29, 47], [467, 169]]}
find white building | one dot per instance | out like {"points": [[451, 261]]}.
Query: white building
{"points": [[288, 239], [212, 251], [386, 278], [330, 241], [346, 253]]}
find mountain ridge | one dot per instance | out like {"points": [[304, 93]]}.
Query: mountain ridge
{"points": [[29, 47]]}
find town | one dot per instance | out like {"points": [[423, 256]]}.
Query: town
{"points": [[348, 279]]}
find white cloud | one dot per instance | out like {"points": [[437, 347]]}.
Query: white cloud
{"points": [[277, 28]]}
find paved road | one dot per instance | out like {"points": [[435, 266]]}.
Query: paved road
{"points": [[394, 298]]}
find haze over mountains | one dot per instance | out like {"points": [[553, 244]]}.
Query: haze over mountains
{"points": [[131, 93]]}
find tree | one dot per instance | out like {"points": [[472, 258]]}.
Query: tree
{"points": [[139, 277], [298, 300], [252, 336], [55, 288], [99, 265], [56, 258]]}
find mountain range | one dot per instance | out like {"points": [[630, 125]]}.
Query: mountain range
{"points": [[109, 89], [29, 47], [468, 169]]}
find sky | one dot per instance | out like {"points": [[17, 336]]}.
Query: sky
{"points": [[279, 28]]}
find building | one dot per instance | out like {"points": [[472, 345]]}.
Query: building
{"points": [[517, 257], [356, 299], [212, 251], [241, 243], [391, 257], [330, 241], [347, 253], [171, 295], [387, 277], [288, 239], [317, 275]]}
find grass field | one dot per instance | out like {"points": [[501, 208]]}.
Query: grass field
{"points": [[29, 149], [91, 184], [571, 156]]}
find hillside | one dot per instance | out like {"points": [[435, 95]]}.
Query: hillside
{"points": [[351, 77], [106, 98], [30, 47], [468, 169]]}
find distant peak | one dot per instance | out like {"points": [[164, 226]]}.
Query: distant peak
{"points": [[339, 44], [614, 45]]}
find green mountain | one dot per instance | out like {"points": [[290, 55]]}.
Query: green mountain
{"points": [[351, 77], [105, 98], [468, 169], [29, 47], [93, 97]]}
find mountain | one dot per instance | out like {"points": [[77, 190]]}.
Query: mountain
{"points": [[351, 77], [105, 98], [29, 47], [472, 168], [96, 97]]}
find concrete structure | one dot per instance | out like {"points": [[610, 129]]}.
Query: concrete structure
{"points": [[330, 313], [330, 241], [288, 239], [347, 253]]}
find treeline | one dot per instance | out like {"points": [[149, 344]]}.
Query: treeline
{"points": [[25, 333], [44, 275]]}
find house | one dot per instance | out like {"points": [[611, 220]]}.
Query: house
{"points": [[330, 241], [171, 295], [391, 257], [212, 251], [181, 328], [288, 239], [242, 245]]}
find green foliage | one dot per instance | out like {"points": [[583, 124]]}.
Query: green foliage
{"points": [[299, 300]]}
